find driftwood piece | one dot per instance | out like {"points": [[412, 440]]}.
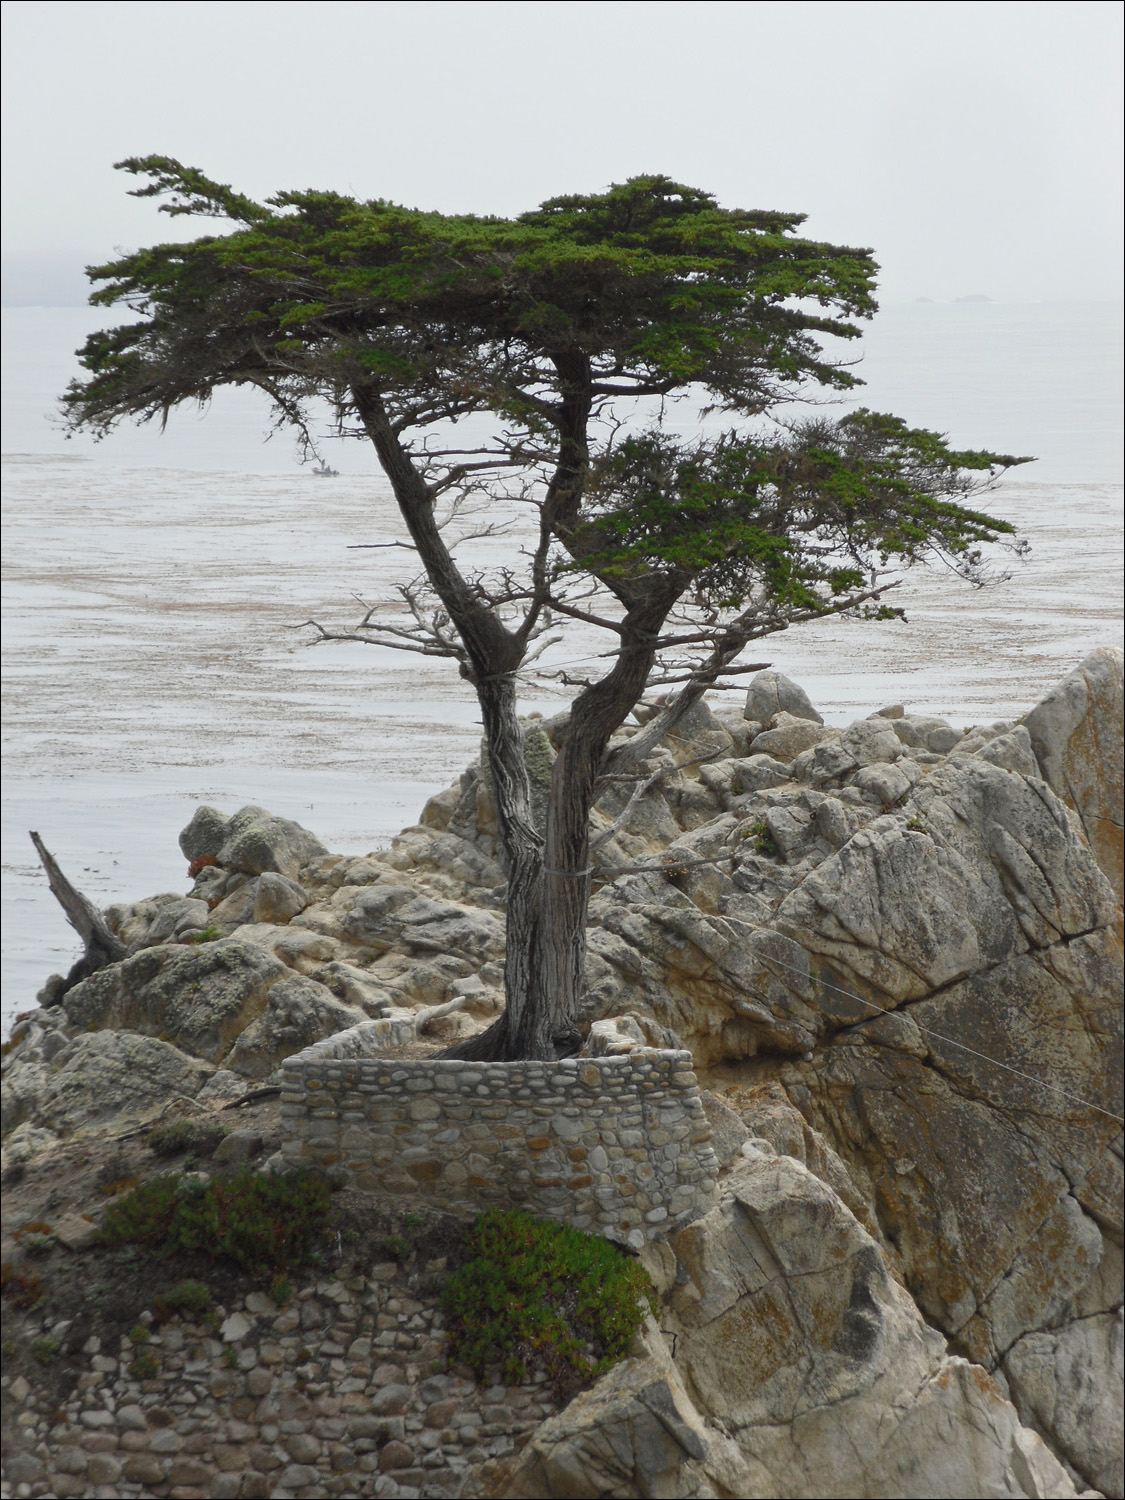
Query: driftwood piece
{"points": [[102, 946]]}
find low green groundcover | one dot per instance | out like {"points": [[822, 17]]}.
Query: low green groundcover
{"points": [[261, 1222], [537, 1294]]}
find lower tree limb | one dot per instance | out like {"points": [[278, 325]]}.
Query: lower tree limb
{"points": [[101, 945]]}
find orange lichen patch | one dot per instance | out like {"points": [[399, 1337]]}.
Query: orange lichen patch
{"points": [[37, 1226], [200, 864]]}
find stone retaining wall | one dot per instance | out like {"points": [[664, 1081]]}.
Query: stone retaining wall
{"points": [[615, 1145]]}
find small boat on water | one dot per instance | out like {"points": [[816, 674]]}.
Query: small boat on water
{"points": [[325, 471]]}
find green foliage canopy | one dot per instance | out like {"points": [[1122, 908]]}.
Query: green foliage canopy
{"points": [[639, 290]]}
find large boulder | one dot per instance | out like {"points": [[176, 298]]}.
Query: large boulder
{"points": [[201, 999], [789, 736], [801, 1368], [935, 986], [773, 693], [1076, 733], [253, 841], [205, 835], [97, 1078], [298, 1012]]}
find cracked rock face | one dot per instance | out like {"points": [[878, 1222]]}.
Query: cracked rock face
{"points": [[801, 1368]]}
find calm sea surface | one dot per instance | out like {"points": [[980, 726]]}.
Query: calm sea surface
{"points": [[152, 585]]}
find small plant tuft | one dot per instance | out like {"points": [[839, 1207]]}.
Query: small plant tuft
{"points": [[193, 1298], [204, 935], [45, 1348], [21, 1287], [537, 1293], [144, 1367], [139, 1335], [281, 1289], [764, 841]]}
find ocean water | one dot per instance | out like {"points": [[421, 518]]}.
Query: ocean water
{"points": [[155, 588]]}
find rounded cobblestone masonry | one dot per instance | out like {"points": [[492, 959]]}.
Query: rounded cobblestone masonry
{"points": [[343, 1394], [616, 1145]]}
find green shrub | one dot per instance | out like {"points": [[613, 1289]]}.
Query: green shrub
{"points": [[200, 1136], [262, 1223], [538, 1293], [190, 1297], [764, 842], [44, 1349], [139, 1334]]}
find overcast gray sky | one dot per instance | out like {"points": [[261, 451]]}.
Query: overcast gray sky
{"points": [[976, 146]]}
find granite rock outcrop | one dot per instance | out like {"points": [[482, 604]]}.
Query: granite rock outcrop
{"points": [[894, 949]]}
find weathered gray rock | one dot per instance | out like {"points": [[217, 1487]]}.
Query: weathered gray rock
{"points": [[882, 785], [277, 899], [773, 693], [205, 834], [442, 927], [1076, 734], [728, 1132], [1067, 1383], [767, 1114], [790, 828], [236, 908], [756, 772], [256, 841], [371, 920], [1012, 751], [871, 742], [924, 732], [201, 999], [99, 1077], [789, 736], [298, 1012], [239, 1146], [157, 919]]}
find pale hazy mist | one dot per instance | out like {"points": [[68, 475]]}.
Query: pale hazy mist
{"points": [[975, 146]]}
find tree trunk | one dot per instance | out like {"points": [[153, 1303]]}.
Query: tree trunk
{"points": [[547, 896]]}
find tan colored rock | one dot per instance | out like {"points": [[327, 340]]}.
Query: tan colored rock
{"points": [[636, 1433], [1076, 733], [77, 1231], [802, 1368], [277, 899]]}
